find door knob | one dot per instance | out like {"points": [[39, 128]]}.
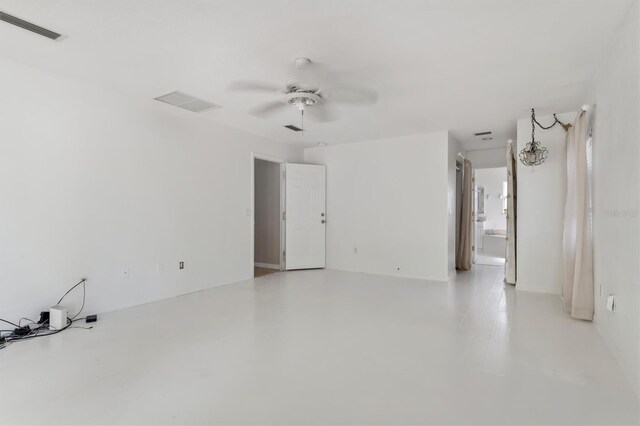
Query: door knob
{"points": [[323, 221]]}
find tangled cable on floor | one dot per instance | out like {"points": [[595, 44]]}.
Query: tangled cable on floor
{"points": [[33, 329]]}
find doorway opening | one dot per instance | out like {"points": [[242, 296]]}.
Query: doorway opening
{"points": [[267, 216], [491, 216]]}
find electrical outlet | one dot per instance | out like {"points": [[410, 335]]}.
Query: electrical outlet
{"points": [[181, 265], [125, 272], [161, 268], [355, 250], [611, 303]]}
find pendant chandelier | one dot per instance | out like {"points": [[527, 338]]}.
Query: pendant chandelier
{"points": [[534, 154]]}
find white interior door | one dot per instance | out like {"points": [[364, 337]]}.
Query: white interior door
{"points": [[305, 216]]}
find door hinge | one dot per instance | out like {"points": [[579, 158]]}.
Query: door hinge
{"points": [[284, 175], [284, 254], [284, 215]]}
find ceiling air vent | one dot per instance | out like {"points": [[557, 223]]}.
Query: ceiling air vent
{"points": [[294, 128], [10, 19], [188, 102], [482, 134]]}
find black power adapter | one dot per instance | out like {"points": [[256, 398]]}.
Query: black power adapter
{"points": [[44, 317], [22, 331], [92, 318]]}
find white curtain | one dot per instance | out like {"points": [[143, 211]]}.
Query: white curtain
{"points": [[510, 255], [465, 242], [577, 291]]}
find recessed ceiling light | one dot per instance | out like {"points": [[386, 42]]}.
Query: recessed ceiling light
{"points": [[488, 138], [322, 144]]}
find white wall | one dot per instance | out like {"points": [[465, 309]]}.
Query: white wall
{"points": [[452, 156], [541, 196], [616, 202], [93, 182], [486, 158], [491, 180], [267, 212], [388, 199]]}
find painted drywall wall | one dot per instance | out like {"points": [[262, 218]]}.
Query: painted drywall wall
{"points": [[616, 197], [486, 158], [387, 199], [492, 180], [452, 155], [541, 196], [267, 213], [94, 183]]}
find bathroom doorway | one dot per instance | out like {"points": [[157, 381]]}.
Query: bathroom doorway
{"points": [[491, 216]]}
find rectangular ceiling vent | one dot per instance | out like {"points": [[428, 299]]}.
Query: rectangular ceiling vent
{"points": [[13, 20], [188, 102], [294, 128], [483, 134]]}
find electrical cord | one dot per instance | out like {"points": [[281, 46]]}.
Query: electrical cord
{"points": [[36, 333], [42, 330], [84, 296], [9, 322], [70, 290], [28, 319]]}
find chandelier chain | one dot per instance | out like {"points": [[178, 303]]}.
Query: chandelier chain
{"points": [[555, 121]]}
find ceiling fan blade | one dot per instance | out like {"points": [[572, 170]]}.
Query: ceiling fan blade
{"points": [[253, 86], [321, 113], [351, 95], [268, 109]]}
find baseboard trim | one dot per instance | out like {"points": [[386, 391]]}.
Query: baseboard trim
{"points": [[267, 265]]}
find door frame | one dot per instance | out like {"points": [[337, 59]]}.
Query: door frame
{"points": [[257, 156]]}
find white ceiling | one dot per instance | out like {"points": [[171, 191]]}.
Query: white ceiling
{"points": [[466, 66]]}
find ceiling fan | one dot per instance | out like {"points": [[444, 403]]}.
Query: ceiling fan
{"points": [[311, 92]]}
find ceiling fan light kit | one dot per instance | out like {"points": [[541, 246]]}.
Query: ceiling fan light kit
{"points": [[301, 100]]}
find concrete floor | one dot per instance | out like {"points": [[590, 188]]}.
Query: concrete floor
{"points": [[325, 347], [483, 258]]}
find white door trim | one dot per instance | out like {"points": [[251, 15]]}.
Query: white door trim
{"points": [[257, 156]]}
